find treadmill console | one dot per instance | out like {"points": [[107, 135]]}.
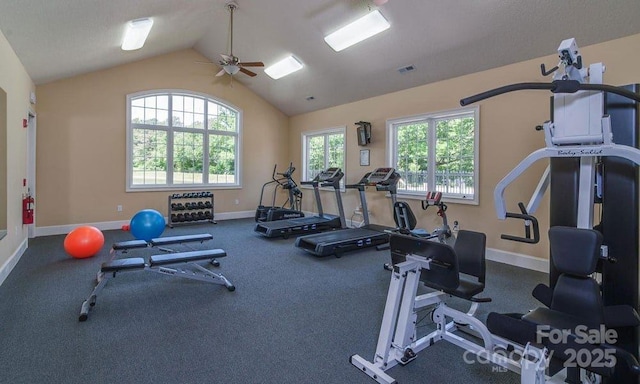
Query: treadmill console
{"points": [[380, 175], [328, 174]]}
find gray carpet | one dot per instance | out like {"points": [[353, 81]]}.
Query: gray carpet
{"points": [[293, 318]]}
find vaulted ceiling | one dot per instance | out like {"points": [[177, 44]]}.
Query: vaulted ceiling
{"points": [[442, 39]]}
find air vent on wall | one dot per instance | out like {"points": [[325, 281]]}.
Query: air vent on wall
{"points": [[406, 69]]}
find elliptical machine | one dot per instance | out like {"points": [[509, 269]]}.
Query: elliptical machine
{"points": [[294, 200]]}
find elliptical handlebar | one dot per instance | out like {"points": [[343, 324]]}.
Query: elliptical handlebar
{"points": [[557, 86]]}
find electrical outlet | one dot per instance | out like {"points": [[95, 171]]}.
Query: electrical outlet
{"points": [[237, 201], [119, 208]]}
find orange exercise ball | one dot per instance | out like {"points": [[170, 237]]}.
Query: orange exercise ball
{"points": [[83, 242]]}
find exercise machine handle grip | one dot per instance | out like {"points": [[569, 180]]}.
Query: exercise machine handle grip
{"points": [[557, 86], [505, 89], [531, 225]]}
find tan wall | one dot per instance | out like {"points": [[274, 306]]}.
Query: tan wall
{"points": [[81, 159], [507, 135], [17, 84]]}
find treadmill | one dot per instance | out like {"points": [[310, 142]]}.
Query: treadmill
{"points": [[351, 239], [312, 224]]}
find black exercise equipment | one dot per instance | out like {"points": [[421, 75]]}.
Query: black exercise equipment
{"points": [[574, 306], [166, 264], [350, 239], [406, 221], [294, 200], [592, 143], [512, 342], [321, 222]]}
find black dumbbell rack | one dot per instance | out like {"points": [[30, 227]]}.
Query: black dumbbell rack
{"points": [[190, 208]]}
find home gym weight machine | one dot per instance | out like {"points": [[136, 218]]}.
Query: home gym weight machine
{"points": [[291, 208], [579, 134]]}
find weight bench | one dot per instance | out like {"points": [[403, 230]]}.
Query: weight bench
{"points": [[124, 246], [165, 264]]}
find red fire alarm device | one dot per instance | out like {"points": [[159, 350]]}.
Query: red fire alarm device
{"points": [[25, 123]]}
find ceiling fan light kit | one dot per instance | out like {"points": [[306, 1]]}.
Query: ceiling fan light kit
{"points": [[231, 64], [283, 67], [136, 34], [365, 27]]}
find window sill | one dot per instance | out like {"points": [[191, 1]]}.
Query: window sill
{"points": [[164, 188]]}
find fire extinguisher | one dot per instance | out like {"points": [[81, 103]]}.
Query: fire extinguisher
{"points": [[27, 209]]}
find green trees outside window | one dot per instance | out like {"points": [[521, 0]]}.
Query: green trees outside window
{"points": [[436, 153], [181, 139]]}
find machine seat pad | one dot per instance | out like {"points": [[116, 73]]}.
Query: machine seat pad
{"points": [[185, 257], [180, 239], [511, 327], [466, 289], [131, 244], [557, 319], [123, 264]]}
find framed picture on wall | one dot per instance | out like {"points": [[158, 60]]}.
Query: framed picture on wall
{"points": [[364, 157]]}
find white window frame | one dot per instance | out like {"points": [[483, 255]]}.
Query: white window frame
{"points": [[130, 187], [430, 119], [326, 133]]}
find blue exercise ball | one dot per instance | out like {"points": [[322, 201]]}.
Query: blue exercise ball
{"points": [[147, 224]]}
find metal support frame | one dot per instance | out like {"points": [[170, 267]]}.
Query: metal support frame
{"points": [[188, 270], [398, 342]]}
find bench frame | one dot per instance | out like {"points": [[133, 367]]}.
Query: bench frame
{"points": [[182, 264]]}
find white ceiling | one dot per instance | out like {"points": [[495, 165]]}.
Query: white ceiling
{"points": [[55, 39]]}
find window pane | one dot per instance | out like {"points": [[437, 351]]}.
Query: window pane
{"points": [[198, 120], [336, 150], [455, 156], [198, 105], [137, 115], [188, 104], [163, 102], [139, 102], [178, 103], [163, 117], [411, 155], [222, 159], [149, 156], [188, 158], [188, 120], [315, 156], [150, 116], [178, 119], [150, 102]]}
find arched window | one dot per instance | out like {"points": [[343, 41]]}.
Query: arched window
{"points": [[181, 140]]}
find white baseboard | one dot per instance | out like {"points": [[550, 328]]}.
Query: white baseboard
{"points": [[107, 225], [7, 267], [518, 260]]}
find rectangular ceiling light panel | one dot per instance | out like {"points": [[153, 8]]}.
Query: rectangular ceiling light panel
{"points": [[136, 34], [361, 29], [283, 68]]}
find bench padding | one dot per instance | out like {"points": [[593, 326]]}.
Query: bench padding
{"points": [[180, 239], [131, 244], [184, 257], [123, 264]]}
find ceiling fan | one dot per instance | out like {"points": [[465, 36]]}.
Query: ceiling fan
{"points": [[230, 63]]}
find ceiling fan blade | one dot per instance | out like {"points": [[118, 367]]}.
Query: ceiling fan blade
{"points": [[252, 64], [247, 72], [222, 72]]}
